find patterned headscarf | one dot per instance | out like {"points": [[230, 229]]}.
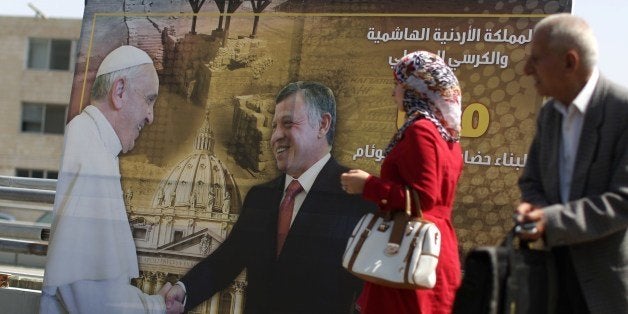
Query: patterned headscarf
{"points": [[431, 91]]}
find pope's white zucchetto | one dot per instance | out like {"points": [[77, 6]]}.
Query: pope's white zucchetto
{"points": [[123, 57]]}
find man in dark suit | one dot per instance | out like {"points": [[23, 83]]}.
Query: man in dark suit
{"points": [[299, 272], [575, 183]]}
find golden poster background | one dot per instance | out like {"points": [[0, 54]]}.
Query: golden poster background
{"points": [[208, 145]]}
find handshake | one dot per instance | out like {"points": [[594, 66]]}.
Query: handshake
{"points": [[174, 296]]}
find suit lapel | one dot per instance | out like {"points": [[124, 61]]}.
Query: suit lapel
{"points": [[589, 139], [321, 186], [311, 204], [549, 151]]}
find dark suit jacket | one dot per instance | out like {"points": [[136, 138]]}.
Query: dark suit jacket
{"points": [[308, 276], [592, 225]]}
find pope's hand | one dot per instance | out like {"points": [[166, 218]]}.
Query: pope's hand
{"points": [[174, 298]]}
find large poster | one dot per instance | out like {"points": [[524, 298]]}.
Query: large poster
{"points": [[220, 64]]}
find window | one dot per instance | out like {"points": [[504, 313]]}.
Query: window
{"points": [[43, 118], [50, 54], [139, 233], [178, 235], [36, 173]]}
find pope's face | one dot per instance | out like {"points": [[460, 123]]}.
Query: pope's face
{"points": [[137, 111], [296, 143]]}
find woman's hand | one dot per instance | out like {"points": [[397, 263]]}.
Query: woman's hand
{"points": [[353, 181]]}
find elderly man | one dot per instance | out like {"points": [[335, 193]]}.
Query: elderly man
{"points": [[292, 231], [91, 255], [575, 183]]}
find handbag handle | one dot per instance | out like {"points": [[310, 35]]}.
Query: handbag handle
{"points": [[417, 203], [400, 220], [388, 216]]}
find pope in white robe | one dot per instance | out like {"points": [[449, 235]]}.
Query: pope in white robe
{"points": [[91, 253]]}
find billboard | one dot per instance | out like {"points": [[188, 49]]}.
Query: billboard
{"points": [[220, 64]]}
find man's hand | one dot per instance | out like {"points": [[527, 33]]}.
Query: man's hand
{"points": [[526, 213], [174, 297]]}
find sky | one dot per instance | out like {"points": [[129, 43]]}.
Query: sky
{"points": [[604, 16]]}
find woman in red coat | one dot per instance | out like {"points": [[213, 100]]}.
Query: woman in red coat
{"points": [[424, 154]]}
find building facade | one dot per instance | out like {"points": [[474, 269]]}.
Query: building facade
{"points": [[37, 64]]}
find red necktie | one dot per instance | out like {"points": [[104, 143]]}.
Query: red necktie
{"points": [[285, 213]]}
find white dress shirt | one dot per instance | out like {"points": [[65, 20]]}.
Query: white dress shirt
{"points": [[306, 180], [573, 118]]}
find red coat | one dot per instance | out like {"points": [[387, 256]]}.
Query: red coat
{"points": [[432, 166]]}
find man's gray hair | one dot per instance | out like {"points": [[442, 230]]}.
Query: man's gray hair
{"points": [[103, 83], [319, 100], [566, 31]]}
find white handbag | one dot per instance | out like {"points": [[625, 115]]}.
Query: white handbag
{"points": [[401, 252]]}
